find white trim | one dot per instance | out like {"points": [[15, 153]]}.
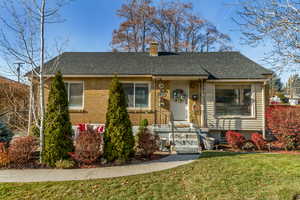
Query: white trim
{"points": [[103, 76], [202, 103], [253, 106], [238, 80], [83, 89], [149, 95], [187, 78], [264, 110]]}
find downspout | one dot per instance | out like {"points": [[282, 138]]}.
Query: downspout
{"points": [[264, 110]]}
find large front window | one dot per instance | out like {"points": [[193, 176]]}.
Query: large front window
{"points": [[233, 100], [75, 94], [137, 94]]}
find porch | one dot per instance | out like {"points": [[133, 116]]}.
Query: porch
{"points": [[178, 111]]}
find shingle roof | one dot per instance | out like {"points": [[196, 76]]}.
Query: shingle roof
{"points": [[216, 65]]}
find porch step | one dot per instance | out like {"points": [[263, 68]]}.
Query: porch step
{"points": [[187, 142]]}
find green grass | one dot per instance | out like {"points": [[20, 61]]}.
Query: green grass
{"points": [[215, 176]]}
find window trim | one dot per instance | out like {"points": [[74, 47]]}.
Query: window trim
{"points": [[149, 94], [297, 94], [253, 103], [68, 93]]}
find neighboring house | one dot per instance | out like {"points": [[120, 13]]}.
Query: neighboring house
{"points": [[211, 92], [292, 89], [14, 103]]}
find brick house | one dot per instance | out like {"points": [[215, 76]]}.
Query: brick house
{"points": [[211, 92]]}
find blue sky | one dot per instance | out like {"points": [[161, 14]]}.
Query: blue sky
{"points": [[89, 24]]}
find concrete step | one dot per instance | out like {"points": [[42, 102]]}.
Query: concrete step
{"points": [[187, 150], [186, 142]]}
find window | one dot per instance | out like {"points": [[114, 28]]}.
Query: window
{"points": [[233, 100], [75, 94], [137, 94], [297, 91]]}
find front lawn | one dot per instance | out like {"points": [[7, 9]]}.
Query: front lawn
{"points": [[214, 176]]}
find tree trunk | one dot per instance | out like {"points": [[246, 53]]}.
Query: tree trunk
{"points": [[30, 104], [41, 77]]}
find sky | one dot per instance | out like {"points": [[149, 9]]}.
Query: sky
{"points": [[89, 24]]}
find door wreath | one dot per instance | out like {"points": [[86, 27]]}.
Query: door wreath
{"points": [[179, 96]]}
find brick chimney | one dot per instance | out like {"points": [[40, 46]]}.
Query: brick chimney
{"points": [[153, 49]]}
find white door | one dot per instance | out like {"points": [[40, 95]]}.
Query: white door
{"points": [[179, 100]]}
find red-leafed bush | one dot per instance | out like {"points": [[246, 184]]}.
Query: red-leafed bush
{"points": [[284, 123], [21, 150], [259, 141], [235, 139], [146, 142], [88, 146], [4, 159]]}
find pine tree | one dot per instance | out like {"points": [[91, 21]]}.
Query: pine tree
{"points": [[58, 128], [5, 133], [118, 136]]}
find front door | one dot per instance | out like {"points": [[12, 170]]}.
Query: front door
{"points": [[179, 100]]}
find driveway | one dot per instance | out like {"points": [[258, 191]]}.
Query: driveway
{"points": [[42, 175]]}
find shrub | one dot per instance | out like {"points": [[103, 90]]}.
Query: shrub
{"points": [[58, 129], [4, 159], [88, 146], [64, 164], [146, 142], [284, 123], [248, 145], [118, 136], [5, 133], [235, 139], [259, 141], [21, 149]]}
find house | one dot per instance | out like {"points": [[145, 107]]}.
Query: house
{"points": [[211, 92], [292, 89], [14, 103]]}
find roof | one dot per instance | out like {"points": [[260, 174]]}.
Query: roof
{"points": [[216, 65]]}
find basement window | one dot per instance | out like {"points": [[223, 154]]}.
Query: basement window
{"points": [[234, 100], [75, 94], [137, 94]]}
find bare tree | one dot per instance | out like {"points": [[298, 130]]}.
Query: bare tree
{"points": [[172, 24], [14, 104], [133, 33], [22, 38], [275, 22]]}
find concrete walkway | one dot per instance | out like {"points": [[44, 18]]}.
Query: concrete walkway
{"points": [[42, 175]]}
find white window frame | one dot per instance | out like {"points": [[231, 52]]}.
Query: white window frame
{"points": [[149, 94], [253, 103], [68, 93], [296, 93]]}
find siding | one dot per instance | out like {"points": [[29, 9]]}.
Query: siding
{"points": [[214, 123]]}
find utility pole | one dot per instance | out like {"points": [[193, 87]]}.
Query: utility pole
{"points": [[20, 64]]}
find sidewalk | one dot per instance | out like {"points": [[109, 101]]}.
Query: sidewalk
{"points": [[42, 175]]}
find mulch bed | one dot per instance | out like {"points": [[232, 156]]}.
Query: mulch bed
{"points": [[275, 148], [136, 160], [34, 164]]}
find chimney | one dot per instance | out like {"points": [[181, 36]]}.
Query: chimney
{"points": [[153, 49]]}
